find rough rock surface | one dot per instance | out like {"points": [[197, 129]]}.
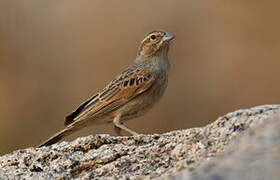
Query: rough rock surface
{"points": [[253, 156], [243, 144]]}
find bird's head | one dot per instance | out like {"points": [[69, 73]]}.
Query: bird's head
{"points": [[155, 43]]}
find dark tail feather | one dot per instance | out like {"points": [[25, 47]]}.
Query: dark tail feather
{"points": [[58, 136]]}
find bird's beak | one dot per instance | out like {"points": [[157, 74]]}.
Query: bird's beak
{"points": [[168, 36]]}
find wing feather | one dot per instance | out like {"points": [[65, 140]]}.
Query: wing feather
{"points": [[118, 92]]}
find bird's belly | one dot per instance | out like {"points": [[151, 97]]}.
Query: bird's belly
{"points": [[140, 104], [145, 101]]}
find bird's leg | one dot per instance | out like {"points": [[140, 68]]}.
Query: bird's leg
{"points": [[118, 130], [119, 126]]}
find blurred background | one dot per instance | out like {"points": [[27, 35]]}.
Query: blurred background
{"points": [[55, 54]]}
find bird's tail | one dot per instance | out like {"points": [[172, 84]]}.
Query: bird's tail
{"points": [[58, 136]]}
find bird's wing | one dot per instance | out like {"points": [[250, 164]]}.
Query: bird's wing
{"points": [[119, 91]]}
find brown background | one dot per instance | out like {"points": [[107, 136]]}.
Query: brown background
{"points": [[55, 54]]}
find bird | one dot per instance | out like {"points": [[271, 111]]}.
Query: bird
{"points": [[130, 94]]}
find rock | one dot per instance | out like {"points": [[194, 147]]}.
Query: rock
{"points": [[254, 155], [243, 144]]}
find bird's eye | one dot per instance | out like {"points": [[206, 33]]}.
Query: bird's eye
{"points": [[153, 37]]}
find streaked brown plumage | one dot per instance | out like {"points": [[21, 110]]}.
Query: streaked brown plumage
{"points": [[129, 94]]}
